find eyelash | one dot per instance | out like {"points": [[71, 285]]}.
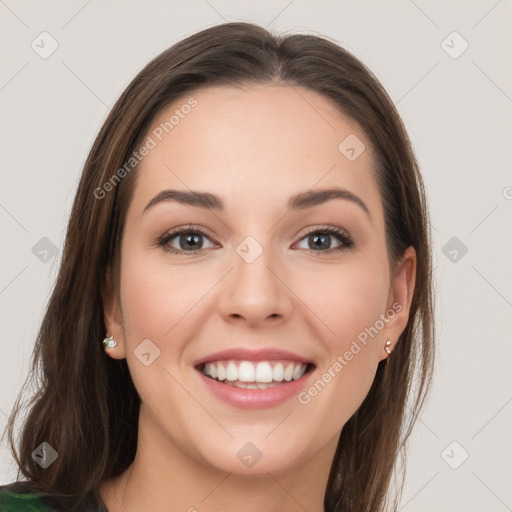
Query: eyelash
{"points": [[342, 236]]}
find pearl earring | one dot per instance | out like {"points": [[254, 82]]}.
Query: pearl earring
{"points": [[387, 347], [109, 343]]}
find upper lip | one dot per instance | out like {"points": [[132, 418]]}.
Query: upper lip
{"points": [[245, 354]]}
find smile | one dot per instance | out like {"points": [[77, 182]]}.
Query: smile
{"points": [[252, 374]]}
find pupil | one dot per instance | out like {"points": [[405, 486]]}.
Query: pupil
{"points": [[318, 238], [191, 240]]}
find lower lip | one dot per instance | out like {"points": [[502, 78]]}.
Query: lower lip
{"points": [[255, 398]]}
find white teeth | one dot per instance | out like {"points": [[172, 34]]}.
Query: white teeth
{"points": [[298, 372], [257, 375], [288, 373], [263, 372], [263, 385], [245, 371], [278, 372], [232, 371]]}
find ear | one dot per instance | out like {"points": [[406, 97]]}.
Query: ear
{"points": [[112, 318], [399, 300]]}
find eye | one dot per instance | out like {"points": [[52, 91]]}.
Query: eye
{"points": [[188, 239], [320, 239]]}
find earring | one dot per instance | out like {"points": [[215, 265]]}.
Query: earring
{"points": [[386, 348], [109, 343]]}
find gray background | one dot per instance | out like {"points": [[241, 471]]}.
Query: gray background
{"points": [[456, 108]]}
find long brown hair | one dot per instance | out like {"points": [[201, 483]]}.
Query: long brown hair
{"points": [[86, 405]]}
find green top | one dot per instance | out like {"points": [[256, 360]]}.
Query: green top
{"points": [[22, 496]]}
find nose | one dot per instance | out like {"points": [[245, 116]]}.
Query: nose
{"points": [[255, 292]]}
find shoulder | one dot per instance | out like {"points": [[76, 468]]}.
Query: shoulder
{"points": [[19, 496]]}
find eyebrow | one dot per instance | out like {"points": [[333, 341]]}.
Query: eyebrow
{"points": [[300, 201]]}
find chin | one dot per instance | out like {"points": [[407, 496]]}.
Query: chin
{"points": [[254, 458]]}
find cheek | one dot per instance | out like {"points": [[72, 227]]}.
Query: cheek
{"points": [[347, 299], [155, 298], [144, 304], [349, 302]]}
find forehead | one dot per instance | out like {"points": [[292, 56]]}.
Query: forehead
{"points": [[254, 145]]}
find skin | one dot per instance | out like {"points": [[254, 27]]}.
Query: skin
{"points": [[254, 147]]}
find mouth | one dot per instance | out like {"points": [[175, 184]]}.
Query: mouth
{"points": [[255, 374], [246, 378]]}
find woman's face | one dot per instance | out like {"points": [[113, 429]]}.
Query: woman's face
{"points": [[258, 274]]}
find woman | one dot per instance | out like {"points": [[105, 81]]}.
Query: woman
{"points": [[244, 303]]}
